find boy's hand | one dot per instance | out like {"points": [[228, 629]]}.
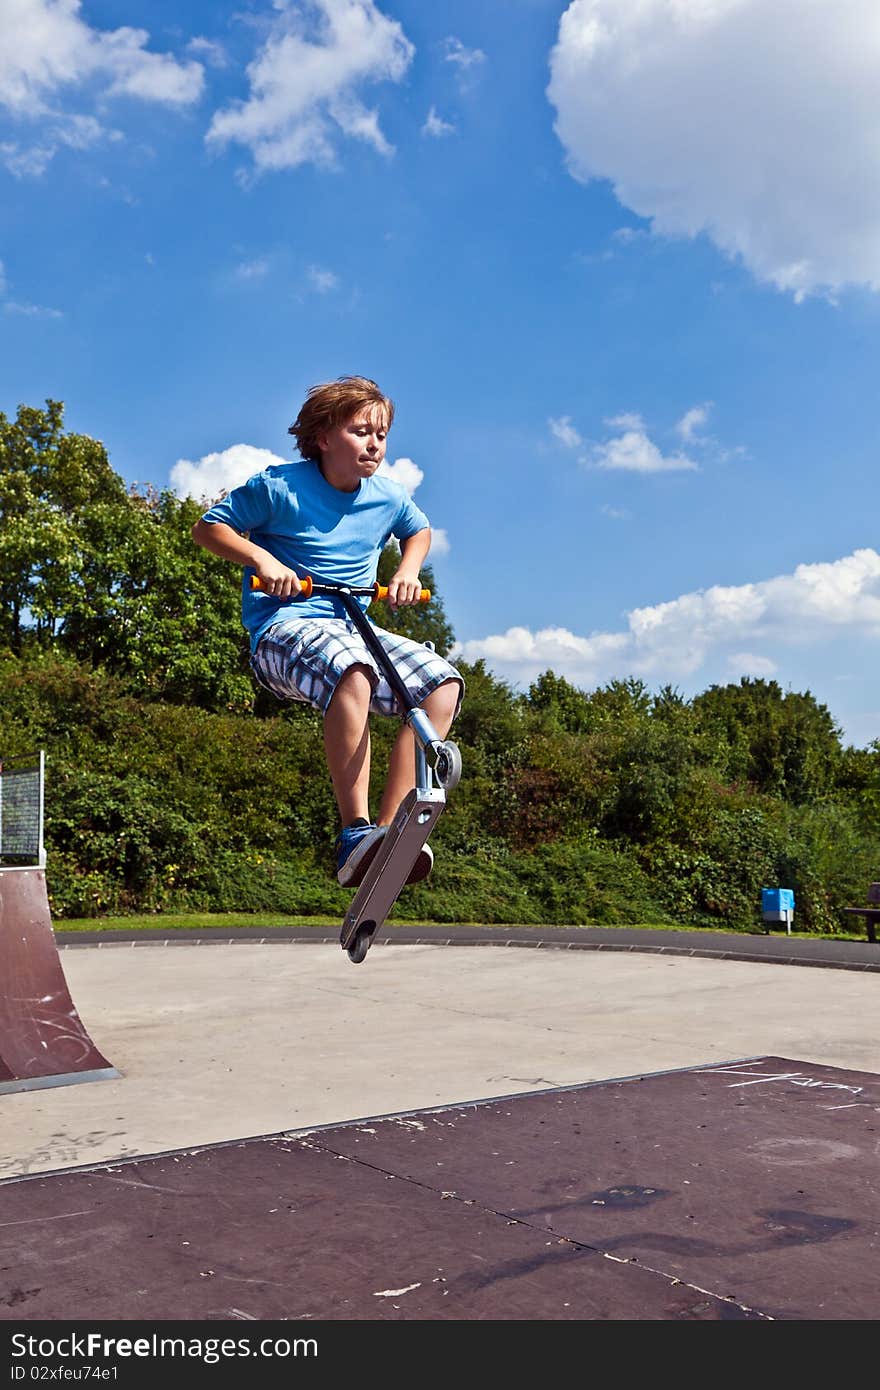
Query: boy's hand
{"points": [[404, 588], [276, 579]]}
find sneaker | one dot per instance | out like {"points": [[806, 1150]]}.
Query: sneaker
{"points": [[356, 847]]}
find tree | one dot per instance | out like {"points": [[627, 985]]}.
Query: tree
{"points": [[47, 479], [784, 744], [156, 609], [110, 574], [859, 781], [561, 702]]}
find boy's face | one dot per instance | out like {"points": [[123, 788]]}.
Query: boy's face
{"points": [[353, 451]]}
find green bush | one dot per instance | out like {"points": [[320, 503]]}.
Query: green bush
{"points": [[606, 808]]}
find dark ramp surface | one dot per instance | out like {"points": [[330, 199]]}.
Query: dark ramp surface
{"points": [[757, 1180], [738, 1191]]}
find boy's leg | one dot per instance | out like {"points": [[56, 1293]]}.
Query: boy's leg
{"points": [[347, 744], [440, 707]]}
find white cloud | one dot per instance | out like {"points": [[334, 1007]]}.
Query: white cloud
{"points": [[689, 428], [47, 50], [228, 468], [522, 655], [756, 122], [563, 430], [80, 132], [616, 513], [435, 125], [439, 541], [463, 58], [252, 270], [76, 132], [45, 46], [322, 281], [214, 473], [634, 452], [210, 50], [31, 311], [305, 80], [29, 162], [626, 235], [409, 475], [691, 421], [403, 471], [669, 641], [747, 664], [150, 76]]}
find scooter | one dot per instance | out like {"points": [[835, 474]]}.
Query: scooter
{"points": [[438, 771]]}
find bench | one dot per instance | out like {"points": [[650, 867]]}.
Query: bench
{"points": [[870, 914]]}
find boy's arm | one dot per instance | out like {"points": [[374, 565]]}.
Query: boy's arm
{"points": [[404, 586], [226, 542]]}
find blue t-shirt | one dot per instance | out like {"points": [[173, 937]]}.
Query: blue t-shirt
{"points": [[336, 537]]}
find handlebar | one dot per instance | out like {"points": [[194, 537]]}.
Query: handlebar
{"points": [[309, 587]]}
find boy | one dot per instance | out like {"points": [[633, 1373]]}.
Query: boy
{"points": [[329, 517]]}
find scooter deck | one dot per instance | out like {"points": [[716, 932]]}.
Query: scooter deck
{"points": [[386, 877]]}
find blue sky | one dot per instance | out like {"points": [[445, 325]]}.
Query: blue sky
{"points": [[617, 263]]}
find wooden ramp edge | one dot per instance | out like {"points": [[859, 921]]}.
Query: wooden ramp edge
{"points": [[43, 1041]]}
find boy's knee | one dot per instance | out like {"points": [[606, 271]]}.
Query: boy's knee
{"points": [[354, 683], [446, 697]]}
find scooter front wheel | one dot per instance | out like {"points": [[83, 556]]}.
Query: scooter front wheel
{"points": [[360, 946]]}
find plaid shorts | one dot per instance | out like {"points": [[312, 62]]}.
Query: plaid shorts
{"points": [[306, 658]]}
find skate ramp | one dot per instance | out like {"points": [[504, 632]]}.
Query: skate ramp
{"points": [[733, 1191], [43, 1041]]}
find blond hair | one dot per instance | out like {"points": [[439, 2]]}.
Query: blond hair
{"points": [[333, 403]]}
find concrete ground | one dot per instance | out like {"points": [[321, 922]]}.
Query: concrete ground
{"points": [[221, 1042]]}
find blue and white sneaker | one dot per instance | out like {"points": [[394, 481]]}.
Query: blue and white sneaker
{"points": [[356, 847]]}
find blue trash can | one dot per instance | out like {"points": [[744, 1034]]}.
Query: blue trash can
{"points": [[777, 905]]}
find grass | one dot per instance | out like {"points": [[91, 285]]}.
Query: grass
{"points": [[199, 921]]}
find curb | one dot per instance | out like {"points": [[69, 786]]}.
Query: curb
{"points": [[863, 957]]}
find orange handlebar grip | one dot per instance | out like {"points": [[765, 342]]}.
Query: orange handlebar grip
{"points": [[305, 585], [381, 592]]}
